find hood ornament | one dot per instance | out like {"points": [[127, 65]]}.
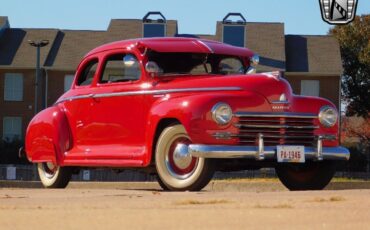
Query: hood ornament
{"points": [[282, 98]]}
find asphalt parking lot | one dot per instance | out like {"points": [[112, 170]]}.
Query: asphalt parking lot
{"points": [[265, 205]]}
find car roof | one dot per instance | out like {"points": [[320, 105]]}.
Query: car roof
{"points": [[177, 45]]}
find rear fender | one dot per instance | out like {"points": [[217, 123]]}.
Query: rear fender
{"points": [[48, 136]]}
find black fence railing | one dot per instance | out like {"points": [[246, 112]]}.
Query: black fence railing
{"points": [[29, 173]]}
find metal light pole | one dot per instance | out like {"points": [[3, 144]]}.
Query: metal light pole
{"points": [[38, 45]]}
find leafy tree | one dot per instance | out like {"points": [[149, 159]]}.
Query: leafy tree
{"points": [[354, 41]]}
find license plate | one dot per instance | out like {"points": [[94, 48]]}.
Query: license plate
{"points": [[290, 154]]}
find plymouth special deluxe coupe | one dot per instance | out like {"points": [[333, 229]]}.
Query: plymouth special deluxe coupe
{"points": [[184, 108]]}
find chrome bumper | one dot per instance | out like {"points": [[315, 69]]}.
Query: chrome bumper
{"points": [[268, 152], [259, 152]]}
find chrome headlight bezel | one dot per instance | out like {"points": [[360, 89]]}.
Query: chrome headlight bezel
{"points": [[328, 116], [222, 113]]}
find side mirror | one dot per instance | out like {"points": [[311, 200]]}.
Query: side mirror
{"points": [[254, 61], [153, 69]]}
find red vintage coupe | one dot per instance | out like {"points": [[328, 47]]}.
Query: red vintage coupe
{"points": [[183, 108]]}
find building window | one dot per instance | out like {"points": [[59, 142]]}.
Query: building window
{"points": [[234, 35], [154, 27], [154, 30], [310, 88], [68, 80], [12, 128], [233, 31], [13, 87]]}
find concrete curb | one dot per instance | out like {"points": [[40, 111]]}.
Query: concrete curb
{"points": [[216, 185]]}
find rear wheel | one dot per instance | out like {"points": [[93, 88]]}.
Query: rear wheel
{"points": [[309, 176], [53, 176], [177, 170]]}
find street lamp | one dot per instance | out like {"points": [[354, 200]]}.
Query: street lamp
{"points": [[38, 45]]}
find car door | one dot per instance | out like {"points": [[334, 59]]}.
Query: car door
{"points": [[77, 108], [117, 113]]}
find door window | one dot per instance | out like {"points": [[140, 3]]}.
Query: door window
{"points": [[88, 73], [121, 68]]}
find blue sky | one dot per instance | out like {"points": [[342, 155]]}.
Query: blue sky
{"points": [[194, 16]]}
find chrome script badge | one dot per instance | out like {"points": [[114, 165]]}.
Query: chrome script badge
{"points": [[338, 11]]}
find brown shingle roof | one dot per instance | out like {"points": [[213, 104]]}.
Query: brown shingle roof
{"points": [[133, 28], [314, 54], [71, 46], [207, 36], [265, 39], [15, 52], [75, 44]]}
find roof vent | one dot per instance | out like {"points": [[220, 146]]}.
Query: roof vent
{"points": [[240, 21], [146, 18]]}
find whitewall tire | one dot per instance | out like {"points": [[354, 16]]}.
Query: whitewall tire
{"points": [[53, 176], [178, 171]]}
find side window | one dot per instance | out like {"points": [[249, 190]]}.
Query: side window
{"points": [[88, 73], [121, 68], [231, 66], [201, 69]]}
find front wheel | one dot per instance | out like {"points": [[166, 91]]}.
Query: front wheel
{"points": [[179, 171], [53, 176], [309, 176]]}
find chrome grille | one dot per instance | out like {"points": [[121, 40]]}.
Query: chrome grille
{"points": [[276, 128]]}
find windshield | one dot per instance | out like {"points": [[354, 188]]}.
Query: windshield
{"points": [[197, 64]]}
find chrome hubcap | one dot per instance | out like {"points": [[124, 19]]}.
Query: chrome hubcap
{"points": [[181, 156], [180, 164], [49, 169]]}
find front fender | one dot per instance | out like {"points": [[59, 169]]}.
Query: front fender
{"points": [[194, 113], [48, 136]]}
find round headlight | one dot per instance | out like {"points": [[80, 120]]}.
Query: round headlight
{"points": [[222, 113], [255, 60], [328, 116]]}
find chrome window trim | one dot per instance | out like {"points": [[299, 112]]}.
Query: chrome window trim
{"points": [[150, 92], [284, 115], [277, 126]]}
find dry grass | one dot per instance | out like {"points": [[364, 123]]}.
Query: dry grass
{"points": [[277, 206], [6, 196], [272, 179], [330, 199], [202, 202]]}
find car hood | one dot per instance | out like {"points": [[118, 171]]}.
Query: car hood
{"points": [[270, 86]]}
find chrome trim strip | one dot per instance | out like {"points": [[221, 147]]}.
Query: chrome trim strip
{"points": [[269, 152], [275, 136], [150, 92], [228, 135], [283, 115], [243, 119], [277, 126], [280, 102]]}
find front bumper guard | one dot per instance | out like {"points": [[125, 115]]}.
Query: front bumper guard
{"points": [[252, 152], [262, 152]]}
